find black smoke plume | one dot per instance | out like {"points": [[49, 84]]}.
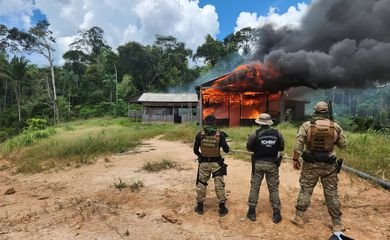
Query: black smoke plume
{"points": [[343, 43]]}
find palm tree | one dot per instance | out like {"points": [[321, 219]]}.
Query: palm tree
{"points": [[110, 82], [15, 71]]}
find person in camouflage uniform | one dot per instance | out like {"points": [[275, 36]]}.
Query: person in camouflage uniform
{"points": [[318, 137], [207, 147], [266, 144]]}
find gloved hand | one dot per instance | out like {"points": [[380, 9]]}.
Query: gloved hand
{"points": [[296, 164]]}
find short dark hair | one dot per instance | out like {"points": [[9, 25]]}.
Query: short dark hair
{"points": [[209, 119]]}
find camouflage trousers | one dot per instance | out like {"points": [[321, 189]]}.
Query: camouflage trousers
{"points": [[205, 171], [310, 174], [271, 172]]}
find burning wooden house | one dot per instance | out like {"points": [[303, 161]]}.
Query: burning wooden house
{"points": [[237, 98]]}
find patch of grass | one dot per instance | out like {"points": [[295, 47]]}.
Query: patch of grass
{"points": [[89, 140], [157, 166], [182, 132], [25, 139], [136, 187], [368, 152], [120, 184], [68, 127]]}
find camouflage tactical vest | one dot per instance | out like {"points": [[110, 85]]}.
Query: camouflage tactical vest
{"points": [[321, 136], [209, 145]]}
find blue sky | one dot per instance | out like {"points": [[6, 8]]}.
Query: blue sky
{"points": [[229, 10], [140, 20]]}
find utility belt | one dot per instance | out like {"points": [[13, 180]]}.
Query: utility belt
{"points": [[314, 157], [209, 159]]}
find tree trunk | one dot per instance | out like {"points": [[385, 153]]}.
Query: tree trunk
{"points": [[5, 94], [116, 83], [17, 96], [53, 81]]}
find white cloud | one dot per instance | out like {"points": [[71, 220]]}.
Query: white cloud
{"points": [[135, 20], [291, 18], [16, 13]]}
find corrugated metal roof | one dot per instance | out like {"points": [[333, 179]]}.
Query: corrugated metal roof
{"points": [[168, 97]]}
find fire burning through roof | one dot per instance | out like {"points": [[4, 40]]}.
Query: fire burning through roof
{"points": [[239, 97]]}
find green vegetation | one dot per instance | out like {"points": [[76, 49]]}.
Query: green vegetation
{"points": [[185, 133], [157, 166], [368, 152], [96, 81], [82, 145], [134, 187], [120, 184], [81, 142]]}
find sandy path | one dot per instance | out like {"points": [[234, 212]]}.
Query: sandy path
{"points": [[82, 203]]}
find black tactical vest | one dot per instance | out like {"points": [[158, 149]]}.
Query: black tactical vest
{"points": [[267, 144]]}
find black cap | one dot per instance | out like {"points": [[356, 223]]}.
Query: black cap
{"points": [[209, 119]]}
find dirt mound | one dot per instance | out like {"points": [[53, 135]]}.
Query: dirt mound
{"points": [[83, 203]]}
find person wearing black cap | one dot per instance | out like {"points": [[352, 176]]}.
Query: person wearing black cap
{"points": [[207, 147], [266, 143]]}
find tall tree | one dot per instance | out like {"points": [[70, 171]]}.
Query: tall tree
{"points": [[16, 72], [91, 42], [241, 40], [39, 39], [137, 61], [212, 50]]}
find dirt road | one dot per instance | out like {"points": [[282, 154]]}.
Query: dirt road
{"points": [[82, 203]]}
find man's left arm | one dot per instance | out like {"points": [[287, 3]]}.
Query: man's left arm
{"points": [[223, 143], [341, 141], [281, 139]]}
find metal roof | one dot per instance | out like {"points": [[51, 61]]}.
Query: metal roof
{"points": [[168, 97]]}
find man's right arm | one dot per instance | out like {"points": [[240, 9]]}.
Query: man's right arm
{"points": [[197, 145]]}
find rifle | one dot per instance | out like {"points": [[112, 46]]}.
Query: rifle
{"points": [[197, 176], [330, 109]]}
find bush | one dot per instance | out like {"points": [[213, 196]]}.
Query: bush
{"points": [[158, 166], [34, 124], [24, 139]]}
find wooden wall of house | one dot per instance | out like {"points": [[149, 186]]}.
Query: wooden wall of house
{"points": [[169, 114]]}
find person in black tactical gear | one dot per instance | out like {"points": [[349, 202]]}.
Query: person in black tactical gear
{"points": [[267, 145], [209, 140]]}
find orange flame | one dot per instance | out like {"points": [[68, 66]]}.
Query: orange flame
{"points": [[241, 90]]}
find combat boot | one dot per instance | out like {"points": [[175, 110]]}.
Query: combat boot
{"points": [[223, 210], [337, 225], [298, 219], [276, 216], [199, 208], [251, 213]]}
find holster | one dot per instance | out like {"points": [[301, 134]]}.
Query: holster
{"points": [[279, 160], [339, 164], [222, 171]]}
